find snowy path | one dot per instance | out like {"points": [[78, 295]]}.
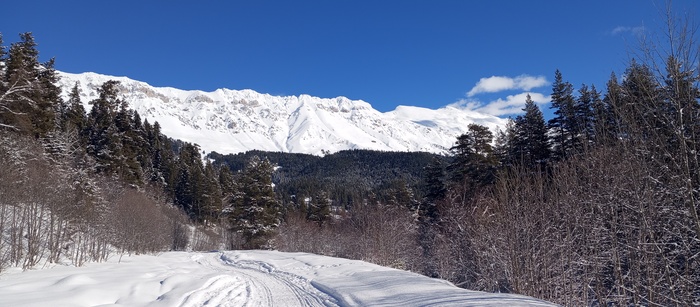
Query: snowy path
{"points": [[238, 278]]}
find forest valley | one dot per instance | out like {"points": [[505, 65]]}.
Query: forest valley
{"points": [[597, 206]]}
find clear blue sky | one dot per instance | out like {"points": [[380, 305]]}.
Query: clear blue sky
{"points": [[386, 52]]}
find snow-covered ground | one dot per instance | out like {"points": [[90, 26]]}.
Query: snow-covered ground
{"points": [[238, 278]]}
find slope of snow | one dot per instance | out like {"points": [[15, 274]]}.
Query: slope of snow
{"points": [[238, 278], [232, 121]]}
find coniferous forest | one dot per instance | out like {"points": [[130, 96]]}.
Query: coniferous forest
{"points": [[599, 205]]}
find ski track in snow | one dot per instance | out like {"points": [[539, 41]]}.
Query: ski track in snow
{"points": [[264, 286]]}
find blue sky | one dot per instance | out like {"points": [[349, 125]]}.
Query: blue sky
{"points": [[478, 54]]}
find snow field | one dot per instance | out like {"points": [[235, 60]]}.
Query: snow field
{"points": [[238, 278]]}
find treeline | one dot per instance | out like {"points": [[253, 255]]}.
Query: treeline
{"points": [[346, 178]]}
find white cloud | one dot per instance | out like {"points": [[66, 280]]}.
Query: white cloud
{"points": [[500, 83], [624, 29], [511, 105]]}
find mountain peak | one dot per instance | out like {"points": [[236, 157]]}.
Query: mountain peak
{"points": [[232, 121]]}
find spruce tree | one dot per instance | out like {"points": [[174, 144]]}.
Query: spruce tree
{"points": [[319, 208], [504, 145], [103, 139], [474, 162], [3, 69], [190, 191], [608, 113], [256, 213], [530, 142], [20, 103], [642, 108], [49, 104], [74, 116], [583, 110], [563, 124], [213, 194]]}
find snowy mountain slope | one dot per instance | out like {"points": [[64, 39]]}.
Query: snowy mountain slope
{"points": [[238, 278], [232, 121]]}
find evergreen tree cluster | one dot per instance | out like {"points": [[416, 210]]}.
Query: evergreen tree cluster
{"points": [[115, 142], [344, 179], [602, 198]]}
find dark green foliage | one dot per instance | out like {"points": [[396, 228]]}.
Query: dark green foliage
{"points": [[583, 110], [608, 113], [530, 143], [318, 209], [434, 188], [564, 124], [74, 117], [190, 185], [256, 213], [473, 159], [348, 176], [29, 95]]}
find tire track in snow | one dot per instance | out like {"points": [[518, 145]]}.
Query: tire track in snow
{"points": [[261, 284], [220, 290]]}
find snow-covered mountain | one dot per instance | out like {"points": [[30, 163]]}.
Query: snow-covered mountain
{"points": [[232, 121]]}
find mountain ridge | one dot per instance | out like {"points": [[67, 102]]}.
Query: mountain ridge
{"points": [[233, 121]]}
